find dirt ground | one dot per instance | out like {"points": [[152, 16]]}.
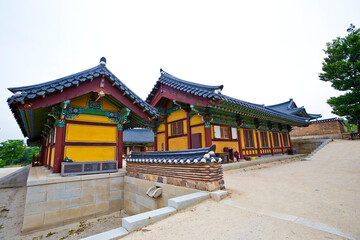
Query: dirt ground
{"points": [[316, 199]]}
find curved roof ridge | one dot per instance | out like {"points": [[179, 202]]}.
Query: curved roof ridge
{"points": [[30, 87], [197, 85]]}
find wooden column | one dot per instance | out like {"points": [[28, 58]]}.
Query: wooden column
{"points": [[50, 149], [166, 135], [271, 144], [120, 145], [45, 154], [290, 144], [189, 143], [42, 152], [59, 146], [155, 141], [258, 142], [239, 142], [281, 143], [208, 141]]}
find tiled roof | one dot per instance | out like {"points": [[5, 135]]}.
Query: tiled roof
{"points": [[138, 136], [290, 107], [341, 120], [190, 156], [22, 94], [214, 92], [185, 86]]}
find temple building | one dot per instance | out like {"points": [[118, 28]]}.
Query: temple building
{"points": [[138, 140], [80, 117], [194, 115]]}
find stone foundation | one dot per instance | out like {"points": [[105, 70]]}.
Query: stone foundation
{"points": [[135, 198], [61, 200]]}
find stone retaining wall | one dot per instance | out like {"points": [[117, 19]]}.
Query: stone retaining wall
{"points": [[136, 201], [306, 146], [71, 199]]}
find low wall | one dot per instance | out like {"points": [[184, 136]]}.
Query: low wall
{"points": [[15, 179], [203, 176], [135, 198], [56, 201], [306, 146]]}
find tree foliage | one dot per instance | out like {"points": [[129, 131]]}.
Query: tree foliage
{"points": [[341, 67], [12, 150]]}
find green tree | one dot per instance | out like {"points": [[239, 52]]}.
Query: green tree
{"points": [[341, 67], [12, 150]]}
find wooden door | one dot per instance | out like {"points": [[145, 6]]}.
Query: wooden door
{"points": [[196, 140]]}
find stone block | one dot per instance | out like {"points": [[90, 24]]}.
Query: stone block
{"points": [[146, 201], [35, 197], [130, 196], [218, 195], [102, 197], [72, 185], [131, 208], [112, 234], [94, 208], [32, 221], [130, 180], [34, 208], [116, 204], [116, 180], [116, 186], [36, 189], [62, 194], [61, 215], [116, 194], [139, 221], [130, 188], [53, 205], [187, 200]]}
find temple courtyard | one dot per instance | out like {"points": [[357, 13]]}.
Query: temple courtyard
{"points": [[314, 199]]}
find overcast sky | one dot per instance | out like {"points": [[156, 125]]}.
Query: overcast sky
{"points": [[264, 52]]}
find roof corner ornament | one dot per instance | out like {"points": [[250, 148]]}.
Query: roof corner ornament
{"points": [[102, 61]]}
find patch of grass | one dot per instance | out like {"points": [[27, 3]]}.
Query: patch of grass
{"points": [[3, 211], [82, 227], [1, 226]]}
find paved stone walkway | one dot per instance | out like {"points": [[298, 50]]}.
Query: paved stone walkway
{"points": [[317, 199]]}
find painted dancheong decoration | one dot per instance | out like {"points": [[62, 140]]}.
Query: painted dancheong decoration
{"points": [[194, 168], [79, 117], [194, 115]]}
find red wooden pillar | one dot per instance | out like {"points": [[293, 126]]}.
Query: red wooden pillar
{"points": [[188, 130], [271, 144], [59, 146], [239, 142], [50, 149], [42, 152], [282, 142], [258, 142], [166, 135], [120, 145], [155, 141], [208, 141], [290, 144], [45, 153]]}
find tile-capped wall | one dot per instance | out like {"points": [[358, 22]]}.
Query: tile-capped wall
{"points": [[135, 198], [65, 201]]}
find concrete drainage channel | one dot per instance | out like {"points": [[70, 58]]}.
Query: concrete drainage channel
{"points": [[308, 157], [138, 221]]}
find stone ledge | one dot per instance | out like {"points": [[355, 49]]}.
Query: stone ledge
{"points": [[218, 195], [35, 179], [187, 200], [141, 220], [112, 234]]}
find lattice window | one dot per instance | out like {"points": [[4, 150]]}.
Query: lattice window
{"points": [[276, 140], [264, 140], [249, 138], [285, 137], [177, 128]]}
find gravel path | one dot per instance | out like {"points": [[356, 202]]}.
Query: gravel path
{"points": [[317, 199]]}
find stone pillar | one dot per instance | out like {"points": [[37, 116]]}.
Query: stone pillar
{"points": [[208, 141], [59, 146], [271, 143], [120, 145], [239, 142], [258, 142]]}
